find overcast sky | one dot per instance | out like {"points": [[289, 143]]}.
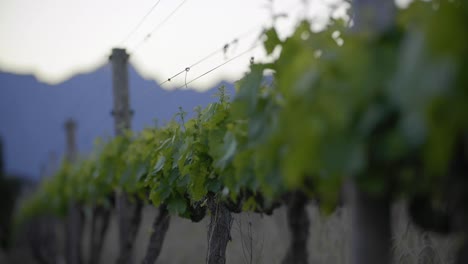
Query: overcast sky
{"points": [[55, 39]]}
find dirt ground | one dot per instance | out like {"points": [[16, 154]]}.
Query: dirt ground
{"points": [[263, 239]]}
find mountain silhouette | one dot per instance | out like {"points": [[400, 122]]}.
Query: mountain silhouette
{"points": [[32, 114]]}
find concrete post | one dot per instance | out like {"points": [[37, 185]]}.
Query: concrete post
{"points": [[122, 114], [128, 209], [70, 127], [74, 221]]}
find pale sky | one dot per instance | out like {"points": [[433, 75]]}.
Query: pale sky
{"points": [[55, 39]]}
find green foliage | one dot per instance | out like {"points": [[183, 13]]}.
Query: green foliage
{"points": [[386, 109]]}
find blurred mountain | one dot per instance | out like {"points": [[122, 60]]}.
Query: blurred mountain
{"points": [[32, 114]]}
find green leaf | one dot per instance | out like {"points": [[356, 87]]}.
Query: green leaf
{"points": [[142, 172], [176, 205], [159, 165], [155, 198], [174, 175], [213, 185], [198, 188], [229, 149], [249, 205], [272, 40], [160, 193]]}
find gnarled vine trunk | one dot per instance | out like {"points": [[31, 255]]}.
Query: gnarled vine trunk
{"points": [[298, 222], [43, 240], [219, 231], [160, 227], [74, 231], [129, 216], [99, 225], [462, 255]]}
